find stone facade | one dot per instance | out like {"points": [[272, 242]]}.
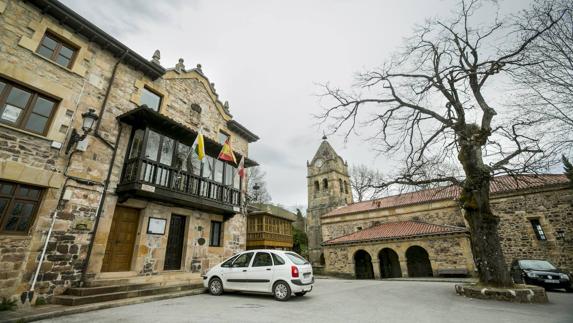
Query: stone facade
{"points": [[328, 188], [550, 203], [41, 161]]}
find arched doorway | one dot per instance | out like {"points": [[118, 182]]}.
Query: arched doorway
{"points": [[418, 262], [363, 265], [389, 264]]}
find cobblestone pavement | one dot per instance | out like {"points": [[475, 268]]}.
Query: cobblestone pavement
{"points": [[334, 300]]}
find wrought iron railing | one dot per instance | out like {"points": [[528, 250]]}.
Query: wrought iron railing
{"points": [[145, 171]]}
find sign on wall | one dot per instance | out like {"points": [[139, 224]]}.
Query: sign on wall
{"points": [[156, 226]]}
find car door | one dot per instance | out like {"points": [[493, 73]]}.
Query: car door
{"points": [[235, 278], [260, 273]]}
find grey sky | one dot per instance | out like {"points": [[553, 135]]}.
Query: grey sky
{"points": [[266, 57]]}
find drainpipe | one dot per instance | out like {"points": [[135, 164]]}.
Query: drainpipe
{"points": [[104, 103], [113, 147], [100, 206]]}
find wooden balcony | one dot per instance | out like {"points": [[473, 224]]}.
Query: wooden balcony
{"points": [[151, 180]]}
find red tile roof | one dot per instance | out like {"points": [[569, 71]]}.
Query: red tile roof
{"points": [[498, 185], [396, 230]]}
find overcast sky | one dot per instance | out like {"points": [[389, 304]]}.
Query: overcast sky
{"points": [[267, 57]]}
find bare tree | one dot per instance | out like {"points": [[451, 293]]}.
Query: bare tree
{"points": [[436, 101], [257, 186], [548, 73], [365, 183]]}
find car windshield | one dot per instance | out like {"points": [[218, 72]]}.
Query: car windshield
{"points": [[296, 259], [536, 265]]}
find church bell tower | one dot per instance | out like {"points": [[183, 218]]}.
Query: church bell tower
{"points": [[328, 186]]}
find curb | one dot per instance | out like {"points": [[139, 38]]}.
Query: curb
{"points": [[62, 310]]}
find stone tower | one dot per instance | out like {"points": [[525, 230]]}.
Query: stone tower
{"points": [[328, 187]]}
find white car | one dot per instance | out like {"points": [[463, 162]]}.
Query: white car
{"points": [[277, 272]]}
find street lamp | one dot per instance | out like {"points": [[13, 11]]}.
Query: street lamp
{"points": [[89, 119]]}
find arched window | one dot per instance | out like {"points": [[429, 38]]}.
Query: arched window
{"points": [[340, 184], [325, 184], [316, 186]]}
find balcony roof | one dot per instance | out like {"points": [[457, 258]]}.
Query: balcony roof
{"points": [[145, 117]]}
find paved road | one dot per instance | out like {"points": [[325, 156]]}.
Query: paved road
{"points": [[340, 301]]}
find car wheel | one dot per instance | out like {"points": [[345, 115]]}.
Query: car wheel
{"points": [[300, 294], [281, 291], [215, 287], [569, 289]]}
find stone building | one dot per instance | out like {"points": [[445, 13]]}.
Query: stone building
{"points": [[328, 187], [270, 227], [126, 199], [424, 233]]}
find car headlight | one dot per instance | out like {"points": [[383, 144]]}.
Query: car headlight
{"points": [[531, 275], [564, 276]]}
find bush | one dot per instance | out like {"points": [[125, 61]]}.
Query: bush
{"points": [[7, 304]]}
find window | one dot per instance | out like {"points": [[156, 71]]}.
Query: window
{"points": [[18, 206], [243, 260], [152, 100], [136, 143], [215, 240], [538, 229], [57, 50], [229, 262], [278, 260], [296, 259], [325, 184], [316, 186], [262, 259], [24, 108], [341, 186]]}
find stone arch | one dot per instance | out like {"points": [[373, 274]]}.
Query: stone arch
{"points": [[340, 184], [389, 264], [418, 262], [322, 260], [363, 265], [324, 184]]}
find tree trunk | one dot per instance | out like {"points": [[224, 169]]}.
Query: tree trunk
{"points": [[485, 243]]}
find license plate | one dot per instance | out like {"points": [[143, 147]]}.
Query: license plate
{"points": [[552, 281], [306, 275]]}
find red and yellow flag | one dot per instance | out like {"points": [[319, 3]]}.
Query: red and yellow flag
{"points": [[227, 152]]}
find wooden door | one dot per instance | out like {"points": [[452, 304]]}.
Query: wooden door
{"points": [[119, 249], [174, 250]]}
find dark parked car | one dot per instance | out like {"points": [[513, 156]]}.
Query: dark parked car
{"points": [[540, 273]]}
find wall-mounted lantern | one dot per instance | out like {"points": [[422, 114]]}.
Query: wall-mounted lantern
{"points": [[88, 121]]}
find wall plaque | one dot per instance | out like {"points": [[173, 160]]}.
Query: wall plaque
{"points": [[156, 225]]}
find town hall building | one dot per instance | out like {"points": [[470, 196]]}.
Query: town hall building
{"points": [[424, 233]]}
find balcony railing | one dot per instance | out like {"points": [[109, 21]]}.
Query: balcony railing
{"points": [[153, 175], [252, 236]]}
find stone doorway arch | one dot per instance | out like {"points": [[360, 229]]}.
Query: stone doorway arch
{"points": [[389, 264], [363, 265], [418, 262]]}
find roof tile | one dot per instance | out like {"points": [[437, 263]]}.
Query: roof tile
{"points": [[395, 230], [498, 185]]}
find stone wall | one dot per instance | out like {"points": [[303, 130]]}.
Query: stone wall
{"points": [[445, 253], [38, 160], [554, 209], [553, 206]]}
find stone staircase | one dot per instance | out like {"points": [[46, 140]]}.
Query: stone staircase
{"points": [[110, 290]]}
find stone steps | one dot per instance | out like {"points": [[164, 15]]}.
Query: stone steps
{"points": [[89, 295]]}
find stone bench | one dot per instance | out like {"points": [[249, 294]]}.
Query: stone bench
{"points": [[453, 272]]}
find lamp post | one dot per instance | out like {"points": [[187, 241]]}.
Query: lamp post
{"points": [[88, 121]]}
